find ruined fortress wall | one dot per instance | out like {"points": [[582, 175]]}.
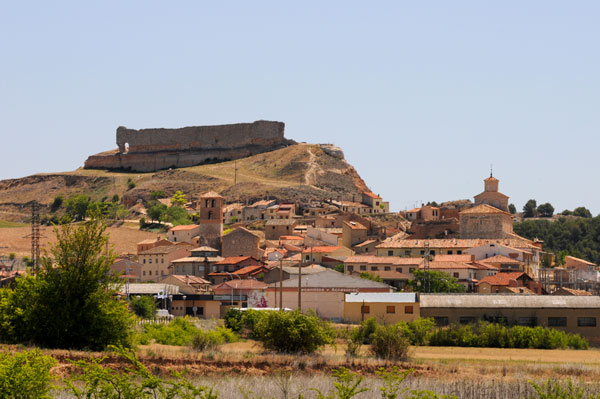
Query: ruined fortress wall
{"points": [[149, 150], [261, 133]]}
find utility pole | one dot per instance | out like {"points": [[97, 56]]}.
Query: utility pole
{"points": [[426, 268], [300, 285], [35, 235], [280, 284], [234, 171]]}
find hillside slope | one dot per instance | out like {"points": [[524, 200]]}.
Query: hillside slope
{"points": [[299, 173]]}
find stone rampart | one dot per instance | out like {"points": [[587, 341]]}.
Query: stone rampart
{"points": [[148, 150]]}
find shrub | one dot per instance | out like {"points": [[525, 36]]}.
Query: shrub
{"points": [[25, 375], [12, 256], [212, 339], [178, 332], [552, 389], [366, 329], [388, 342], [130, 184], [418, 331], [293, 332], [57, 203], [144, 306], [346, 384]]}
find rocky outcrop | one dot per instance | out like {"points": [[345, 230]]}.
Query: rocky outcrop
{"points": [[149, 150]]}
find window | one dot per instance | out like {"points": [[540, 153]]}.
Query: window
{"points": [[144, 272], [273, 227], [433, 252], [162, 260], [527, 321], [374, 268], [422, 252], [586, 322], [557, 321], [459, 252], [411, 270], [365, 309], [407, 252], [387, 268], [144, 260], [175, 239], [150, 260], [449, 252], [408, 309], [455, 274], [441, 321], [363, 267], [156, 273], [307, 257], [350, 268], [467, 319], [399, 269], [390, 253], [390, 309]]}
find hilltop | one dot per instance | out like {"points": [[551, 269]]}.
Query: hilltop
{"points": [[301, 173]]}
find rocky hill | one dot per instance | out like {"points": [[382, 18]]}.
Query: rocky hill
{"points": [[299, 173]]}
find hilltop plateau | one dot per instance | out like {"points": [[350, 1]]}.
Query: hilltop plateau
{"points": [[301, 173]]}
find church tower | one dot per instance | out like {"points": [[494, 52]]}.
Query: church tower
{"points": [[211, 220], [491, 195]]}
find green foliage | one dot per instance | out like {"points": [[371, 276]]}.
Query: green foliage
{"points": [[115, 198], [582, 212], [484, 334], [438, 282], [178, 332], [418, 331], [512, 209], [12, 256], [546, 210], [130, 184], [553, 389], [578, 237], [71, 301], [57, 203], [339, 268], [144, 306], [155, 195], [346, 384], [117, 211], [388, 342], [208, 340], [77, 206], [372, 277], [293, 332], [179, 199], [417, 394], [176, 215], [136, 382], [530, 209], [25, 375], [392, 381], [156, 211]]}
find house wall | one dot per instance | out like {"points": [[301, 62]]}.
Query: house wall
{"points": [[184, 235], [156, 266], [210, 309], [493, 225], [379, 310], [240, 243]]}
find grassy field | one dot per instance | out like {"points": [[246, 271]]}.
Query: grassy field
{"points": [[10, 225]]}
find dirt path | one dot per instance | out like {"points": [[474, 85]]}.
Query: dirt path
{"points": [[311, 174]]}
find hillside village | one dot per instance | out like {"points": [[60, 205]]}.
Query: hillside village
{"points": [[339, 260]]}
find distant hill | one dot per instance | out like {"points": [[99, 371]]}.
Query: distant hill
{"points": [[299, 173]]}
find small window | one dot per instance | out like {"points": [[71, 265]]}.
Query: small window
{"points": [[411, 270], [144, 260], [365, 309], [450, 252], [175, 239], [390, 253], [422, 252], [586, 322], [387, 268], [407, 252], [144, 272], [390, 309], [363, 267], [433, 252], [527, 321], [441, 321], [408, 309], [162, 260], [150, 260], [455, 274], [399, 270], [459, 252], [467, 319], [156, 273], [374, 268], [350, 268], [557, 321]]}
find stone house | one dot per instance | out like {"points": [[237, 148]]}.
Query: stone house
{"points": [[491, 196], [485, 221], [366, 247], [386, 308], [241, 242], [493, 284], [229, 265], [353, 233], [316, 254], [572, 262], [375, 203], [232, 213], [156, 261], [151, 243], [211, 220], [184, 233], [188, 285], [127, 269], [257, 210], [276, 228], [198, 264]]}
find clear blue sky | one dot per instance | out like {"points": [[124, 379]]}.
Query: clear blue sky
{"points": [[422, 96]]}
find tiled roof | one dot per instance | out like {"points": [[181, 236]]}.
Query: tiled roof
{"points": [[501, 278], [454, 258], [436, 265], [280, 222], [163, 249], [211, 194], [355, 225], [394, 242], [241, 284], [184, 227], [323, 249], [198, 259], [383, 260], [205, 249], [415, 210], [571, 291], [250, 270], [484, 209], [372, 195], [500, 259], [232, 260], [518, 290], [291, 238], [190, 279], [364, 243], [354, 204], [579, 260]]}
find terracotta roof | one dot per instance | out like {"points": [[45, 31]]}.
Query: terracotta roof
{"points": [[398, 241], [484, 209], [355, 204], [355, 225], [291, 238], [518, 290], [571, 291], [364, 243], [242, 284], [205, 249], [580, 260], [500, 259], [501, 278], [371, 194], [251, 270], [322, 249], [184, 227], [414, 210], [280, 222], [454, 258], [383, 260], [190, 279], [436, 265], [198, 259], [491, 178], [386, 274], [232, 260], [211, 194]]}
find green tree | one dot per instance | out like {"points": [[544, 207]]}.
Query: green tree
{"points": [[512, 209], [71, 302], [582, 212], [530, 209], [437, 281], [546, 210], [144, 306], [176, 215], [339, 268], [25, 375], [57, 203], [155, 195], [77, 206], [372, 277], [156, 211], [117, 211], [115, 198], [178, 199]]}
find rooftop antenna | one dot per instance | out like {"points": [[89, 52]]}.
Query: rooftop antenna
{"points": [[491, 170]]}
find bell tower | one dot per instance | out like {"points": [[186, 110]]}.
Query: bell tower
{"points": [[211, 219]]}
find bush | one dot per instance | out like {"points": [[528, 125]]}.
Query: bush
{"points": [[144, 307], [25, 375], [204, 340], [293, 332], [388, 342], [178, 332], [418, 331]]}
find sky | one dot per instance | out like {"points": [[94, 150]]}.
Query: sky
{"points": [[422, 96]]}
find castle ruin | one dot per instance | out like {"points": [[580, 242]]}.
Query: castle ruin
{"points": [[149, 150]]}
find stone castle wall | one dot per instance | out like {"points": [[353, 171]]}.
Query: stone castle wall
{"points": [[149, 150]]}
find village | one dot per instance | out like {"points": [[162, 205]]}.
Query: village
{"points": [[333, 258]]}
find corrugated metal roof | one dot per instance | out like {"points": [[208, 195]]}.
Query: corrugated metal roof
{"points": [[151, 289], [495, 301], [331, 279], [376, 297]]}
